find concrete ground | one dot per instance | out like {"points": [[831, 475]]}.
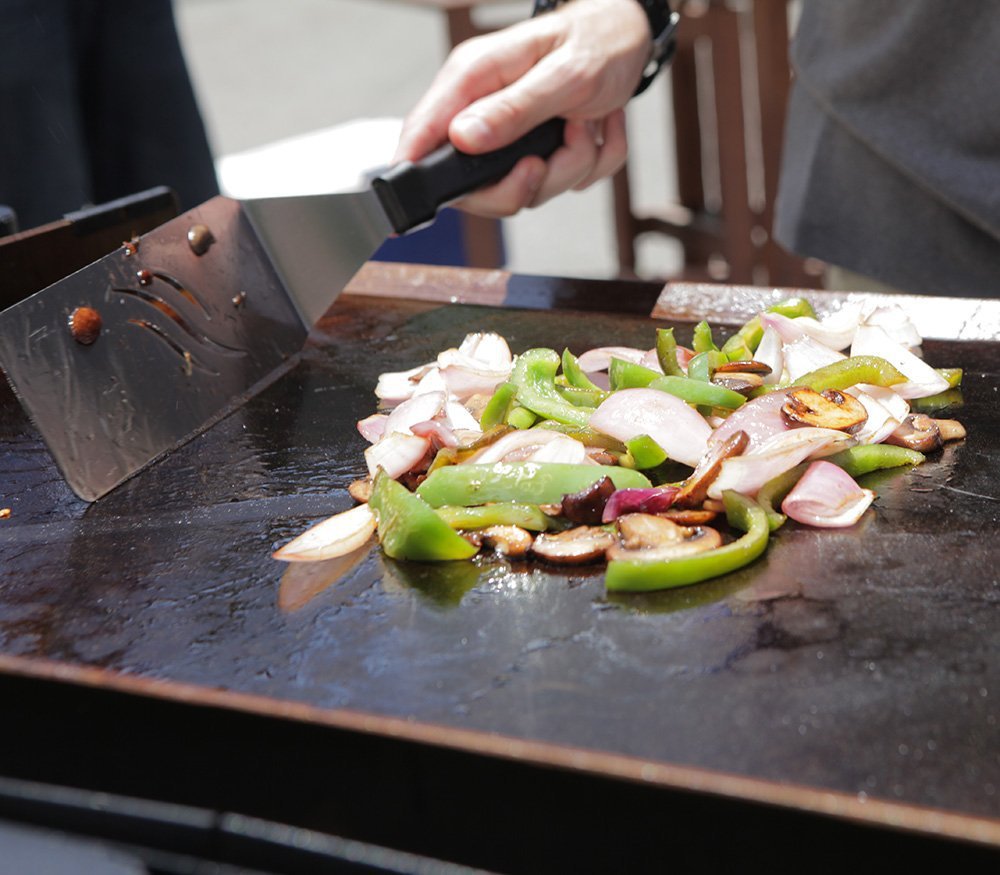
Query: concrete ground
{"points": [[267, 71]]}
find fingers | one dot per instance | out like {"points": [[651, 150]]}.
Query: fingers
{"points": [[476, 68], [592, 150]]}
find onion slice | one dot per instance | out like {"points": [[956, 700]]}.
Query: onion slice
{"points": [[335, 536], [826, 496]]}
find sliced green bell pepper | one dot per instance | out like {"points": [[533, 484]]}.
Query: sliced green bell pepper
{"points": [[645, 452], [630, 375], [666, 352], [702, 340], [496, 409], [574, 374], [506, 513], [409, 529], [635, 575], [534, 376], [525, 482], [699, 392]]}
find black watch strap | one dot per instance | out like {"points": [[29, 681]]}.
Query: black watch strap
{"points": [[662, 26]]}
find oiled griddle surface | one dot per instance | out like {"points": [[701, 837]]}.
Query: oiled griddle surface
{"points": [[861, 660]]}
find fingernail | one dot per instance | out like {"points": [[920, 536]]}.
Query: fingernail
{"points": [[535, 178], [472, 130]]}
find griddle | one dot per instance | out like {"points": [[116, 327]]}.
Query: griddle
{"points": [[850, 676]]}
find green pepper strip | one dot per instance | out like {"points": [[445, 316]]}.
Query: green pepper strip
{"points": [[952, 375], [743, 513], [586, 436], [527, 516], [702, 340], [772, 493], [409, 529], [699, 392], [629, 375], [645, 452], [496, 409], [525, 482], [534, 375], [574, 373], [666, 352], [520, 417], [848, 372], [933, 403], [874, 457], [582, 397]]}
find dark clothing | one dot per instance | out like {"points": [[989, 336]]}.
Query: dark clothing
{"points": [[95, 104], [892, 156]]}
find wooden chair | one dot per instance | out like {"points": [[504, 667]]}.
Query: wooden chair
{"points": [[730, 81]]}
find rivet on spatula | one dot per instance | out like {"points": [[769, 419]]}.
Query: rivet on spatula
{"points": [[131, 247], [200, 238], [144, 276], [85, 325]]}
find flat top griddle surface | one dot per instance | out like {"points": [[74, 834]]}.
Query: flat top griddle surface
{"points": [[860, 660]]}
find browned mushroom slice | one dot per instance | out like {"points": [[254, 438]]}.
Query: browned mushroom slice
{"points": [[695, 489], [511, 541], [827, 409], [361, 490], [745, 367], [951, 429], [738, 381], [647, 537], [587, 505], [917, 432], [691, 517], [575, 546]]}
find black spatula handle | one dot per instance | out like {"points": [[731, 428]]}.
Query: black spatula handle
{"points": [[412, 193]]}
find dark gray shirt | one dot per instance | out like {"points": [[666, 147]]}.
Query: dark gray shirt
{"points": [[892, 154]]}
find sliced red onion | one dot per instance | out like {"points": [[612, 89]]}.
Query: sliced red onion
{"points": [[886, 410], [678, 428], [396, 454], [599, 359], [336, 536], [894, 322], [464, 382], [489, 349], [771, 353], [747, 473], [437, 432], [419, 408], [458, 417], [923, 380], [652, 361], [760, 418], [835, 331], [373, 427], [807, 354], [653, 500], [397, 386], [826, 496], [561, 449], [513, 442]]}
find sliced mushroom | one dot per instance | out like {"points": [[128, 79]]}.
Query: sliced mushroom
{"points": [[738, 381], [361, 490], [642, 530], [917, 432], [827, 409], [510, 541], [714, 505], [695, 489], [651, 538], [574, 546], [587, 505], [951, 429], [689, 517], [745, 367]]}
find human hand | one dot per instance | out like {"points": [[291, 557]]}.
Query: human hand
{"points": [[581, 62]]}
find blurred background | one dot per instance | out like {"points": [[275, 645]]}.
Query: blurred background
{"points": [[267, 72]]}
